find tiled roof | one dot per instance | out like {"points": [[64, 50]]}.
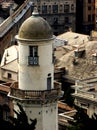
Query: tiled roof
{"points": [[64, 106], [73, 38], [85, 67], [10, 54]]}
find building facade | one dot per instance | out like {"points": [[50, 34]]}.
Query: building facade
{"points": [[96, 15], [85, 16], [9, 64], [60, 14], [86, 95]]}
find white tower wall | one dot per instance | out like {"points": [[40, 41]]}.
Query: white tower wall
{"points": [[47, 116], [32, 77]]}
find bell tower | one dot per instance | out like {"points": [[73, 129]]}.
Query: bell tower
{"points": [[36, 91]]}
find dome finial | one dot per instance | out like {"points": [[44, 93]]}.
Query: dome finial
{"points": [[35, 11]]}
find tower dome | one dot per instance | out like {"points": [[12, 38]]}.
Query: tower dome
{"points": [[35, 28]]}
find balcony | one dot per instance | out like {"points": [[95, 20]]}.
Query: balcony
{"points": [[36, 95]]}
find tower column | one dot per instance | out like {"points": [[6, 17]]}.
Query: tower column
{"points": [[36, 90]]}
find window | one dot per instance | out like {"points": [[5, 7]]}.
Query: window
{"points": [[60, 8], [72, 7], [55, 21], [66, 8], [49, 83], [93, 17], [33, 51], [55, 8], [89, 1], [89, 18], [33, 55], [38, 8], [80, 53], [49, 9], [89, 7], [44, 9], [66, 19], [9, 76]]}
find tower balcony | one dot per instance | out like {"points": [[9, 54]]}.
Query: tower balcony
{"points": [[35, 95]]}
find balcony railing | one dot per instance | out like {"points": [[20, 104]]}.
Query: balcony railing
{"points": [[36, 94], [32, 60]]}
